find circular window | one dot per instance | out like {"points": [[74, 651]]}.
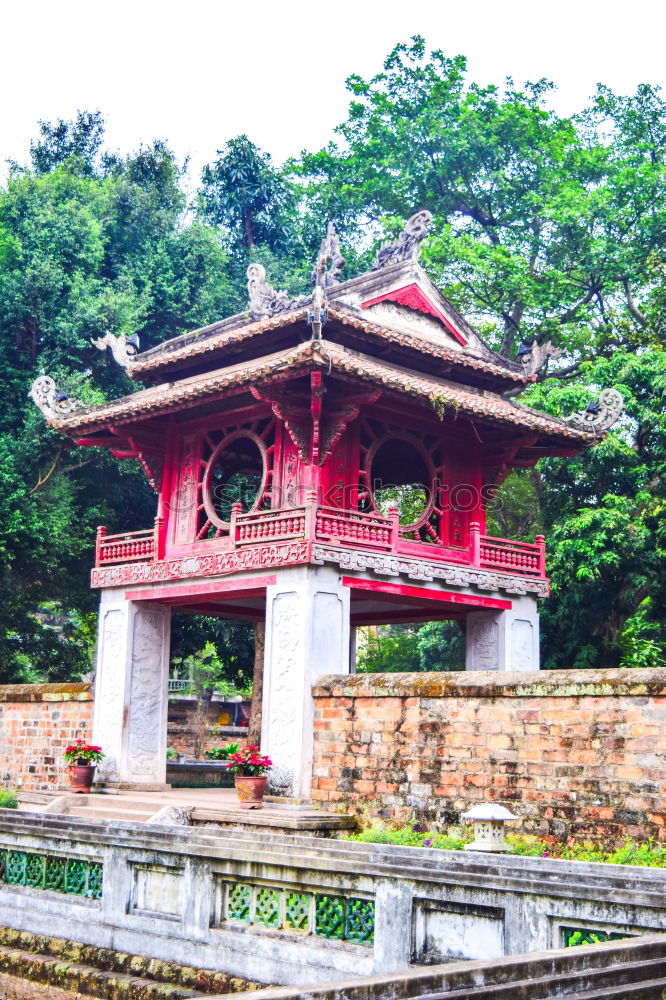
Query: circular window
{"points": [[235, 473], [401, 475]]}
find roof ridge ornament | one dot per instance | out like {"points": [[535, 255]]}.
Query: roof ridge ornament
{"points": [[600, 416], [534, 356], [52, 402], [407, 248], [329, 253], [123, 348], [265, 301], [324, 277]]}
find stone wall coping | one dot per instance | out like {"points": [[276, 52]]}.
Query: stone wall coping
{"points": [[258, 850], [67, 691], [612, 683]]}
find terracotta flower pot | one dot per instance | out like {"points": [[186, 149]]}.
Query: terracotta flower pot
{"points": [[251, 791], [81, 777]]}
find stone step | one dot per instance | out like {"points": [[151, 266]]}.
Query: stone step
{"points": [[110, 812], [583, 982], [140, 803], [190, 980], [653, 989], [87, 979]]}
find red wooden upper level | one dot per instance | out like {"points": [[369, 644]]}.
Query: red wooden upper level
{"points": [[308, 422]]}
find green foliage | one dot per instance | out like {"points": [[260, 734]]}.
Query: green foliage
{"points": [[400, 648], [648, 855], [388, 649], [222, 753], [8, 799], [88, 242], [551, 229], [409, 837], [244, 192]]}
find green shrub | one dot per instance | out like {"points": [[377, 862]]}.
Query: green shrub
{"points": [[648, 855], [7, 799]]}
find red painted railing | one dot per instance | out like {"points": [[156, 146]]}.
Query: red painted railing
{"points": [[348, 528], [132, 546], [267, 525]]}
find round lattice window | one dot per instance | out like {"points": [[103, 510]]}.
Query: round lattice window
{"points": [[401, 474], [235, 473]]}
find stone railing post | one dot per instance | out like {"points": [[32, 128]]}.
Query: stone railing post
{"points": [[541, 542], [236, 509], [311, 514], [157, 538], [99, 538], [475, 543], [394, 515]]}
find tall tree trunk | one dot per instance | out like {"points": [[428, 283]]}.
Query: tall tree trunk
{"points": [[254, 725], [249, 233]]}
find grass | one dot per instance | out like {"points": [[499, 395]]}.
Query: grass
{"points": [[7, 799], [647, 855]]}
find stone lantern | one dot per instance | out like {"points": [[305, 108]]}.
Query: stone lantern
{"points": [[488, 820]]}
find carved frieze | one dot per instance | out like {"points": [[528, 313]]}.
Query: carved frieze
{"points": [[211, 564]]}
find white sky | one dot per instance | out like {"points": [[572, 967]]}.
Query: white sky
{"points": [[199, 73]]}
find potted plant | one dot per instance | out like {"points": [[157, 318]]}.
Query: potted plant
{"points": [[81, 759], [250, 771]]}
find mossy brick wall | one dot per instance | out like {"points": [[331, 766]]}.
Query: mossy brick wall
{"points": [[575, 753], [37, 722]]}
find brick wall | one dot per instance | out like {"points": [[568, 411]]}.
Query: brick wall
{"points": [[576, 753], [37, 722]]}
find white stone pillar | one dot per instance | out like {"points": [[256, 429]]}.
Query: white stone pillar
{"points": [[131, 690], [504, 640], [307, 635]]}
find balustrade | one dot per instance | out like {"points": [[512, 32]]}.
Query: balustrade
{"points": [[354, 529], [132, 546]]}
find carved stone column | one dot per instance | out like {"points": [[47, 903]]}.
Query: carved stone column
{"points": [[504, 640], [131, 691], [307, 635]]}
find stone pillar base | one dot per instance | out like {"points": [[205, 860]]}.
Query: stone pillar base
{"points": [[307, 634], [504, 640], [131, 692]]}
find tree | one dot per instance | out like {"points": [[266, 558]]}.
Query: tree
{"points": [[87, 243], [244, 192], [545, 229], [78, 140]]}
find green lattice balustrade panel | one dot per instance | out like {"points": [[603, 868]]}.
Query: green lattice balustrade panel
{"points": [[360, 921], [297, 911], [75, 876], [239, 900], [330, 917], [586, 935], [336, 918], [267, 907]]}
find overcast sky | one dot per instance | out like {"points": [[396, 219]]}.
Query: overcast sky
{"points": [[200, 72]]}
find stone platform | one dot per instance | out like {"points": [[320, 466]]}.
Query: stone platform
{"points": [[192, 807]]}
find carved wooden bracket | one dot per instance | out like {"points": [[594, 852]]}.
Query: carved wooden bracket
{"points": [[315, 429]]}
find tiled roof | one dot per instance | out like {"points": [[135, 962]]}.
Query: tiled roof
{"points": [[215, 338], [188, 392]]}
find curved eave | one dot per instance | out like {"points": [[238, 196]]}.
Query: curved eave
{"points": [[444, 395], [209, 342]]}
